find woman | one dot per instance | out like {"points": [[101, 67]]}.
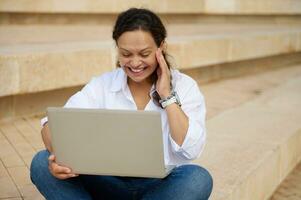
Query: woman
{"points": [[143, 81]]}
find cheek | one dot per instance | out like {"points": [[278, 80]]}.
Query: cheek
{"points": [[123, 61], [152, 61]]}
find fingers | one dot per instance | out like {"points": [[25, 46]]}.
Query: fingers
{"points": [[161, 60], [59, 171], [51, 158], [159, 71], [65, 176]]}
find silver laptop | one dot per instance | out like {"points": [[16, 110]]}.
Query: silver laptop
{"points": [[108, 142]]}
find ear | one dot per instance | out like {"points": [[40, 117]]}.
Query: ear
{"points": [[163, 46]]}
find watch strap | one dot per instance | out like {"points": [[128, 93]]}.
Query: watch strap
{"points": [[173, 98], [169, 101]]}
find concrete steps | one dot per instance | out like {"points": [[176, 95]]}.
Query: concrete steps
{"points": [[50, 48], [58, 45], [164, 6], [249, 158], [290, 188], [73, 54]]}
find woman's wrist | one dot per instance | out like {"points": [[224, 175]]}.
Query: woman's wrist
{"points": [[172, 98], [165, 94]]}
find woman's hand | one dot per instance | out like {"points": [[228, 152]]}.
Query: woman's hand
{"points": [[163, 82], [58, 171]]}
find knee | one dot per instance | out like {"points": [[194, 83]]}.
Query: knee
{"points": [[39, 165], [201, 174], [200, 180], [39, 160]]}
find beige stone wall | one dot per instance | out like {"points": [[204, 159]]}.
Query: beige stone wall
{"points": [[50, 48], [70, 64], [36, 103], [50, 44], [264, 7], [33, 103], [98, 6]]}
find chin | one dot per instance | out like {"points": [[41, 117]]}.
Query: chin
{"points": [[138, 79]]}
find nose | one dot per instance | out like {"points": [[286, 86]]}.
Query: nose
{"points": [[135, 62]]}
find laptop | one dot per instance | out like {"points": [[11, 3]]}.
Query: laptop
{"points": [[108, 142]]}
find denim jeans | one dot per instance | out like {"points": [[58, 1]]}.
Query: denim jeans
{"points": [[186, 182]]}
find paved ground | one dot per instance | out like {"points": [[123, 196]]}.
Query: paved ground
{"points": [[20, 139]]}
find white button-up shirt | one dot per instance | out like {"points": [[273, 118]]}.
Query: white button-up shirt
{"points": [[111, 91]]}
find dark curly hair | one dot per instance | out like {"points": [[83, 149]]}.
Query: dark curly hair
{"points": [[146, 20]]}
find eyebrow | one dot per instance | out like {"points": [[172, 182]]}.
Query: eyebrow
{"points": [[140, 50]]}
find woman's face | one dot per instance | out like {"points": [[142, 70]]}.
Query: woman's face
{"points": [[137, 54]]}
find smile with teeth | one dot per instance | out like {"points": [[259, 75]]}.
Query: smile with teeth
{"points": [[137, 70]]}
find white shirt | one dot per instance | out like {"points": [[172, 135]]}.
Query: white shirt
{"points": [[111, 91]]}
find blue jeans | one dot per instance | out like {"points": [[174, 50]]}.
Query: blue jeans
{"points": [[186, 182]]}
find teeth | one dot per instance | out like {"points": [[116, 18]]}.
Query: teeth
{"points": [[136, 70]]}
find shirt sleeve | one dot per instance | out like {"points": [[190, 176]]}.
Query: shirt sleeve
{"points": [[85, 98], [193, 105]]}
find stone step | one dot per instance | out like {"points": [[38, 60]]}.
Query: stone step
{"points": [[164, 6], [11, 18], [256, 7], [290, 188], [252, 147], [31, 61]]}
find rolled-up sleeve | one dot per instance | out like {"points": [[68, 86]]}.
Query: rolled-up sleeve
{"points": [[193, 105]]}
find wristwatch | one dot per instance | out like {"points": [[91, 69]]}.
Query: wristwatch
{"points": [[172, 98]]}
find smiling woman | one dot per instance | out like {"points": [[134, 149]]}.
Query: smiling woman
{"points": [[137, 56], [143, 80], [139, 34]]}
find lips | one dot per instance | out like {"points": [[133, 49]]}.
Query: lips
{"points": [[137, 71]]}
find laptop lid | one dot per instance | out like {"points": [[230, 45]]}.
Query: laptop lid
{"points": [[108, 142]]}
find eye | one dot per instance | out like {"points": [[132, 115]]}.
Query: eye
{"points": [[144, 55], [126, 55]]}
